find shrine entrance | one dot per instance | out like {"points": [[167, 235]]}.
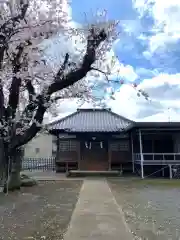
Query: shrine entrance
{"points": [[94, 155]]}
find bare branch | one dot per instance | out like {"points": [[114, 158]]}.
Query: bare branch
{"points": [[98, 70]]}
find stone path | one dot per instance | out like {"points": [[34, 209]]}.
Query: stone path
{"points": [[97, 215]]}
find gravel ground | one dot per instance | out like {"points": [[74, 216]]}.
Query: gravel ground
{"points": [[151, 207], [39, 212]]}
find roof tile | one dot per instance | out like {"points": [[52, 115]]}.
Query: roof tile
{"points": [[92, 120]]}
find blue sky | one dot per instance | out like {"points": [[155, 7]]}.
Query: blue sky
{"points": [[149, 44], [130, 48], [115, 9], [148, 53]]}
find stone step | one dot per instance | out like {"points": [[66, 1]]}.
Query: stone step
{"points": [[82, 173]]}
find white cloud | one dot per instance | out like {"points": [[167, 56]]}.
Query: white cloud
{"points": [[126, 102], [166, 116], [128, 73], [166, 15], [163, 87], [164, 105], [66, 107], [163, 91]]}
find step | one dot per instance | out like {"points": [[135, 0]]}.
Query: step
{"points": [[82, 173]]}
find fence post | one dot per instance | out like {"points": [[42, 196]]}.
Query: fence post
{"points": [[170, 171]]}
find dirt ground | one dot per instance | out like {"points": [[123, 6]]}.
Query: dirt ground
{"points": [[151, 207], [39, 212]]}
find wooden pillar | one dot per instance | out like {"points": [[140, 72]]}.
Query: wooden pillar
{"points": [[153, 148], [132, 150], [170, 171], [79, 154], [109, 156], [57, 152], [141, 154], [163, 171]]}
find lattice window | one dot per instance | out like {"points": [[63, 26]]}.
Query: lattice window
{"points": [[122, 146], [68, 146]]}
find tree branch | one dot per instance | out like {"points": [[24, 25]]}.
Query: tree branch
{"points": [[16, 83], [76, 95], [16, 19], [1, 102], [98, 70], [62, 68], [7, 29], [27, 115], [93, 42], [31, 90]]}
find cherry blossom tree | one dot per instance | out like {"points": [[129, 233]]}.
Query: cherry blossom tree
{"points": [[29, 82]]}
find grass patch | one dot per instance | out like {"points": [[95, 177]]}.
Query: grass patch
{"points": [[133, 181], [153, 182], [160, 182]]}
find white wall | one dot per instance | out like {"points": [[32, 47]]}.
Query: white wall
{"points": [[40, 146]]}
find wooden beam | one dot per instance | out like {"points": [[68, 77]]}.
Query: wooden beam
{"points": [[109, 156], [132, 150], [141, 153], [57, 150], [170, 171], [79, 155]]}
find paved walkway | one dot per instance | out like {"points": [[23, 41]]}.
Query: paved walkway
{"points": [[97, 215]]}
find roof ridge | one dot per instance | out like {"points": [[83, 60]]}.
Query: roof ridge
{"points": [[93, 109]]}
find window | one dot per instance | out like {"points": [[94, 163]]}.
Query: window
{"points": [[121, 146], [68, 146], [37, 150]]}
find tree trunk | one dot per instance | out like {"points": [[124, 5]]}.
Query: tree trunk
{"points": [[2, 165], [14, 179]]}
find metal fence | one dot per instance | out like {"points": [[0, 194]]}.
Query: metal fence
{"points": [[42, 164]]}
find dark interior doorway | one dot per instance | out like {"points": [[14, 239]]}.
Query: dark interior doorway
{"points": [[94, 155]]}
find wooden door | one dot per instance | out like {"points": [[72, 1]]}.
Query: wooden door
{"points": [[94, 156]]}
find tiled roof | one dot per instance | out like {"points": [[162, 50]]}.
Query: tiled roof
{"points": [[92, 120]]}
